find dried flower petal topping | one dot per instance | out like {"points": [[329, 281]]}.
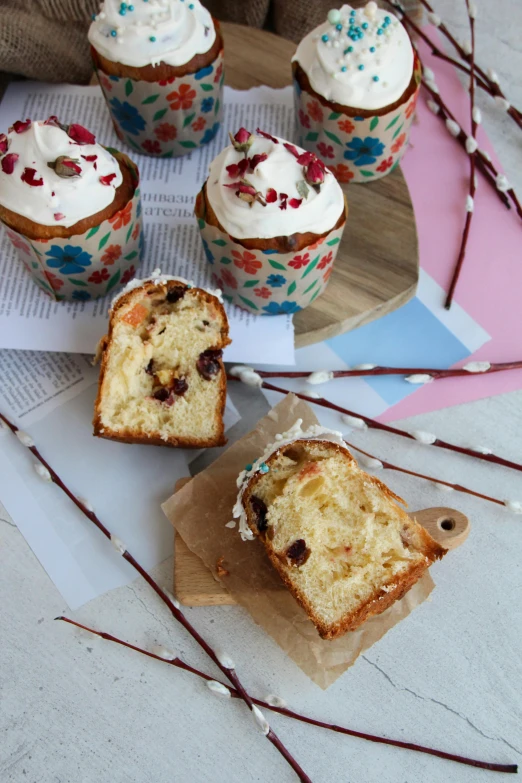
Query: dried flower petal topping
{"points": [[90, 158], [309, 157], [238, 169], [255, 160], [266, 136], [295, 202], [242, 141], [65, 166], [107, 179], [271, 196], [53, 120], [59, 216], [283, 198], [302, 188], [314, 174], [29, 177], [19, 126], [291, 148], [80, 135], [8, 162], [246, 192], [3, 143]]}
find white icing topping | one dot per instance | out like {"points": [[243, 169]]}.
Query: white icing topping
{"points": [[59, 201], [318, 212], [332, 59], [321, 376], [42, 471], [170, 31], [218, 689], [157, 278], [260, 720], [315, 432]]}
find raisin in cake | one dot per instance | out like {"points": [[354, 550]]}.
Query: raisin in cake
{"points": [[162, 378], [335, 534]]}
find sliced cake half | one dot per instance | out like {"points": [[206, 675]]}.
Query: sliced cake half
{"points": [[335, 534], [162, 378]]}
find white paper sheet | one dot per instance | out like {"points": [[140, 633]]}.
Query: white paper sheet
{"points": [[30, 320]]}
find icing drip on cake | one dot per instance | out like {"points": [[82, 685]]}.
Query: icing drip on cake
{"points": [[362, 58], [315, 432], [81, 184], [277, 173], [147, 32]]}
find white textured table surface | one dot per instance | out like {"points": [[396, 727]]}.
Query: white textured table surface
{"points": [[77, 710]]}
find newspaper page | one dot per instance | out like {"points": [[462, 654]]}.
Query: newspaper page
{"points": [[29, 320]]}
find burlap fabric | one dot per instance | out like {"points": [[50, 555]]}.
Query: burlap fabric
{"points": [[46, 39]]}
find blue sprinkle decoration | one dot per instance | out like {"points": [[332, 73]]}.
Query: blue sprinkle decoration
{"points": [[191, 6], [364, 25], [344, 68], [123, 11], [348, 50], [372, 49], [387, 19], [152, 38], [380, 31], [338, 27], [248, 467], [352, 12], [114, 33], [361, 67], [324, 37], [375, 78], [263, 468], [130, 8], [93, 17]]}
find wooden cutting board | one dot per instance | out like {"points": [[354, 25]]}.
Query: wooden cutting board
{"points": [[377, 265], [194, 585]]}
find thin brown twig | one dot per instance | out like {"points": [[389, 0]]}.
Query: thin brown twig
{"points": [[472, 161], [377, 425], [332, 406], [484, 80], [178, 615], [483, 162], [178, 663]]}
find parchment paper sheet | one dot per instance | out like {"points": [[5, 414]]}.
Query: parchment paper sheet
{"points": [[199, 512]]}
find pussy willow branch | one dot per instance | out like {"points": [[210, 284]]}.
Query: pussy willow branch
{"points": [[482, 77], [483, 80], [377, 425], [177, 613], [483, 162], [179, 664], [472, 161], [388, 465]]}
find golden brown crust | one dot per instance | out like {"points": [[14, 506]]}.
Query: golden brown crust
{"points": [[381, 599], [352, 111], [32, 230], [162, 71], [288, 244], [133, 436]]}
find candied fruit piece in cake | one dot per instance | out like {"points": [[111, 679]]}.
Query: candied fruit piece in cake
{"points": [[162, 378], [337, 536]]}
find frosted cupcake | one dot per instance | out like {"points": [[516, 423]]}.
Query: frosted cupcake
{"points": [[356, 80], [160, 66], [271, 217], [71, 208]]}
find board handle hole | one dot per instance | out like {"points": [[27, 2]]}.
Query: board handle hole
{"points": [[447, 524]]}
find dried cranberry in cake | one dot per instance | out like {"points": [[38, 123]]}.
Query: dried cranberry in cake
{"points": [[260, 511], [209, 364], [175, 293], [156, 366], [298, 553]]}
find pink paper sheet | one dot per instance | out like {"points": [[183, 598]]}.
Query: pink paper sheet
{"points": [[437, 172]]}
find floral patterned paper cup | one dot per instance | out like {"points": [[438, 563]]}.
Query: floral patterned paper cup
{"points": [[89, 265], [167, 118], [355, 149], [267, 282]]}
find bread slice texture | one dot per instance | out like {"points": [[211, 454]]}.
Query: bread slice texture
{"points": [[162, 378], [338, 538]]}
